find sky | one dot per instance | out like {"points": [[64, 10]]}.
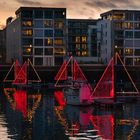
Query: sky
{"points": [[75, 8]]}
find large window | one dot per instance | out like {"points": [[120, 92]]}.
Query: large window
{"points": [[137, 52], [77, 39], [27, 23], [38, 23], [129, 16], [84, 39], [27, 41], [137, 16], [58, 41], [38, 33], [59, 51], [48, 51], [128, 25], [48, 23], [27, 32], [38, 51], [129, 34], [137, 34], [38, 42], [59, 24], [137, 25], [27, 14], [27, 51], [48, 14], [38, 61], [58, 33], [48, 42], [129, 61], [48, 33], [59, 14], [38, 14], [128, 51]]}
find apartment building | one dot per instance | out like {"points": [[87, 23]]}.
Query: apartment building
{"points": [[120, 32], [37, 33]]}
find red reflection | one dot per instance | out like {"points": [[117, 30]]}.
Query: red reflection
{"points": [[105, 86], [20, 98], [59, 96], [105, 125]]}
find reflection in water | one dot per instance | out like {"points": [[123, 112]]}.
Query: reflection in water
{"points": [[35, 116]]}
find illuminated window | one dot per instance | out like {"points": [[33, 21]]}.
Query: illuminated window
{"points": [[59, 24], [27, 51], [84, 39], [48, 42], [84, 53], [128, 51], [27, 32], [48, 23], [137, 61], [78, 53], [27, 23], [77, 39], [84, 46], [77, 46], [58, 41], [128, 25], [59, 51]]}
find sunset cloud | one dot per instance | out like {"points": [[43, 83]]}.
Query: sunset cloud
{"points": [[75, 8]]}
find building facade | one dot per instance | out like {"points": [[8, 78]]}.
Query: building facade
{"points": [[38, 34], [82, 40], [120, 31], [2, 46]]}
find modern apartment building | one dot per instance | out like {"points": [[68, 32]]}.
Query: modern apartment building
{"points": [[120, 32], [2, 46], [38, 34], [82, 40]]}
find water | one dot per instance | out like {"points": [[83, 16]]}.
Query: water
{"points": [[36, 115]]}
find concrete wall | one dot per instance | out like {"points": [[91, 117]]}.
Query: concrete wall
{"points": [[13, 41]]}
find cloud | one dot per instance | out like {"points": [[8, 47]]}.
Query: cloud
{"points": [[29, 2]]}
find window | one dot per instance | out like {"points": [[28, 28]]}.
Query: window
{"points": [[48, 51], [129, 34], [77, 39], [27, 32], [58, 33], [59, 51], [84, 39], [38, 14], [137, 16], [137, 25], [48, 33], [128, 25], [48, 14], [128, 51], [77, 46], [137, 52], [38, 51], [129, 61], [27, 51], [27, 41], [38, 42], [27, 14], [38, 23], [129, 16], [58, 41], [84, 53], [48, 42], [27, 23], [84, 46], [38, 33], [48, 23], [137, 34], [59, 14], [58, 24], [38, 61]]}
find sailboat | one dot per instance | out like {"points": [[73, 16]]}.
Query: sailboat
{"points": [[21, 74], [105, 90], [76, 88]]}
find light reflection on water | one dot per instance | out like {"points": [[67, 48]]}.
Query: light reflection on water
{"points": [[36, 115]]}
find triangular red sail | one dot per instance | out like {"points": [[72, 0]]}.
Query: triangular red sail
{"points": [[77, 73], [105, 126], [21, 77], [105, 86], [62, 73], [17, 68]]}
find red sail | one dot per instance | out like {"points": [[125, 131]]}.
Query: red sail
{"points": [[62, 73], [105, 86], [77, 73], [21, 77], [17, 68]]}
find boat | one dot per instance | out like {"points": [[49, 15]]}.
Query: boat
{"points": [[21, 76], [76, 88]]}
